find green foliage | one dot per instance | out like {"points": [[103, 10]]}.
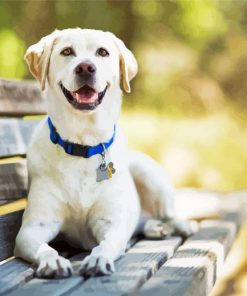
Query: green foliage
{"points": [[200, 21], [11, 55]]}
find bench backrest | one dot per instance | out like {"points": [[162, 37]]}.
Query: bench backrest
{"points": [[17, 99]]}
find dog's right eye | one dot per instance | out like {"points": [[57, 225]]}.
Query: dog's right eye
{"points": [[67, 51]]}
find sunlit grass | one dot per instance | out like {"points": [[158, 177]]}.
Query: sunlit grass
{"points": [[207, 152]]}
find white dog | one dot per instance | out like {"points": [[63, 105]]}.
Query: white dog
{"points": [[84, 181]]}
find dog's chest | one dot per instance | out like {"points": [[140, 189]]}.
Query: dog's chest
{"points": [[78, 179]]}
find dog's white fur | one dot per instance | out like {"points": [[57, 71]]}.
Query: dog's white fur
{"points": [[64, 195]]}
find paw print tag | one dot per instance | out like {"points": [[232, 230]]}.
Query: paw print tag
{"points": [[104, 171]]}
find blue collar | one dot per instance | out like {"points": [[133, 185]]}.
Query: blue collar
{"points": [[77, 149]]}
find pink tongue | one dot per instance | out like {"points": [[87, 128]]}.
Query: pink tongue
{"points": [[85, 95]]}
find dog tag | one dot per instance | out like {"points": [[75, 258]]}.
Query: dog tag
{"points": [[105, 171], [102, 172]]}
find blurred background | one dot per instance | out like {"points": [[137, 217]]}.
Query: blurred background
{"points": [[188, 106]]}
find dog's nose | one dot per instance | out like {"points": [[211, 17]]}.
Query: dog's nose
{"points": [[85, 68]]}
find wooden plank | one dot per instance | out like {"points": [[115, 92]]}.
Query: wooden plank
{"points": [[14, 206], [234, 207], [9, 227], [20, 98], [16, 272], [14, 136], [139, 263], [13, 181], [11, 141], [196, 264], [26, 128], [13, 273]]}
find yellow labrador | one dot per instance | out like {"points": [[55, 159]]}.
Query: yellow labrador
{"points": [[84, 181]]}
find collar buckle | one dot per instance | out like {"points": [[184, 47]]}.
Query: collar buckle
{"points": [[79, 150]]}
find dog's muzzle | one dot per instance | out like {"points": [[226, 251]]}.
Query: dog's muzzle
{"points": [[85, 98]]}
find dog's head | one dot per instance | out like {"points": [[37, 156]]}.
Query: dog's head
{"points": [[81, 65]]}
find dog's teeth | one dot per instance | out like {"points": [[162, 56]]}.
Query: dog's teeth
{"points": [[77, 97]]}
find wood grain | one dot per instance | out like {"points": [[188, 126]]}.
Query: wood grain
{"points": [[9, 227], [16, 272], [139, 263], [13, 181], [13, 273], [15, 135], [20, 98], [197, 263]]}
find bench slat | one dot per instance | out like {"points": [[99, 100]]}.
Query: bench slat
{"points": [[20, 98], [196, 264], [15, 135], [139, 263], [17, 272], [14, 273], [9, 227], [13, 181]]}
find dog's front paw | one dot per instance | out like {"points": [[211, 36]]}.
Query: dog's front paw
{"points": [[184, 228], [54, 267], [95, 265], [156, 229]]}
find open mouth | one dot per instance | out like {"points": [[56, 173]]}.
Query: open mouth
{"points": [[85, 98]]}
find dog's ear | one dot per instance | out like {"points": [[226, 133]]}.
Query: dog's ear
{"points": [[38, 55], [128, 64]]}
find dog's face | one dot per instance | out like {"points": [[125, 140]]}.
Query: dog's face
{"points": [[81, 65]]}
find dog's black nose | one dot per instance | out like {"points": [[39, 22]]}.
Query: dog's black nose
{"points": [[87, 69]]}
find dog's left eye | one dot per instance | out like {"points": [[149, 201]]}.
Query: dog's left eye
{"points": [[67, 51], [102, 52]]}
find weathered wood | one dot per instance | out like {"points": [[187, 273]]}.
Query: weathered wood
{"points": [[196, 264], [16, 272], [26, 129], [139, 263], [15, 135], [13, 181], [20, 98], [9, 227], [234, 207], [13, 273]]}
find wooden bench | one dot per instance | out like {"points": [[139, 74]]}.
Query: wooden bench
{"points": [[150, 267]]}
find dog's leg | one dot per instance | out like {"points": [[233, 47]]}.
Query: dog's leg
{"points": [[112, 245], [112, 225], [156, 193], [31, 245], [40, 225]]}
